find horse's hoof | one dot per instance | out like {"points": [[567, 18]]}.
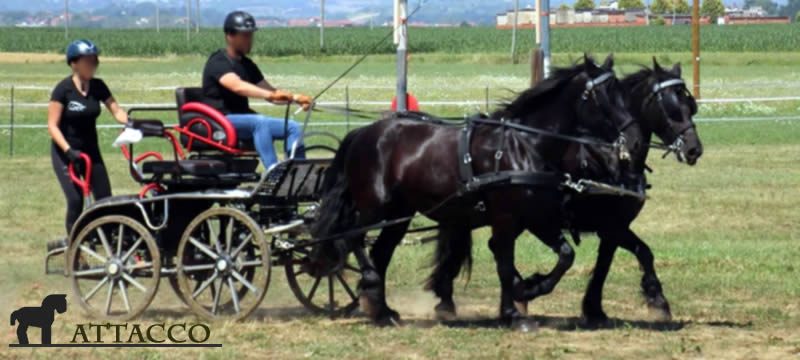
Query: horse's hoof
{"points": [[524, 324], [522, 307], [445, 312], [389, 318], [595, 321], [659, 307]]}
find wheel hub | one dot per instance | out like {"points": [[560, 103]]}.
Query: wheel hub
{"points": [[224, 265], [114, 268]]}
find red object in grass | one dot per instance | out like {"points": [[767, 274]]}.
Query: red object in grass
{"points": [[411, 103]]}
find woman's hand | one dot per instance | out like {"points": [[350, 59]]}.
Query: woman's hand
{"points": [[73, 155]]}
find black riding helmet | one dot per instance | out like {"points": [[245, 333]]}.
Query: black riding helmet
{"points": [[239, 21]]}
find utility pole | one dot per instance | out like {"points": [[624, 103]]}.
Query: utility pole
{"points": [[322, 25], [401, 39], [544, 17], [514, 33], [158, 21], [188, 18], [197, 16], [696, 47], [66, 19]]}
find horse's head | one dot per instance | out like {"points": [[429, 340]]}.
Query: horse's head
{"points": [[57, 302], [601, 112], [667, 108], [601, 107]]}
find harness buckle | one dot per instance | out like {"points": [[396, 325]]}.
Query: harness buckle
{"points": [[467, 158], [498, 155]]}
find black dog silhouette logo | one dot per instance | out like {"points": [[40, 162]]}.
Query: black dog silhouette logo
{"points": [[41, 317]]}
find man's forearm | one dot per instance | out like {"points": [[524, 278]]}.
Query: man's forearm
{"points": [[249, 90]]}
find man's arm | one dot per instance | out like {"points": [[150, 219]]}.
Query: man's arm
{"points": [[234, 83], [264, 84]]}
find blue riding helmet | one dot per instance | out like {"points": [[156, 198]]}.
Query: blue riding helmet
{"points": [[80, 48]]}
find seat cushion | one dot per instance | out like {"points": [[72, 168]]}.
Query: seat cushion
{"points": [[186, 167]]}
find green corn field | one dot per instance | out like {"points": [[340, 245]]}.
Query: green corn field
{"points": [[354, 41]]}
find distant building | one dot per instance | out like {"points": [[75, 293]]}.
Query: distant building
{"points": [[315, 22], [609, 15]]}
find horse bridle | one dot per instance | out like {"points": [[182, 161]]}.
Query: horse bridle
{"points": [[590, 91], [678, 142]]}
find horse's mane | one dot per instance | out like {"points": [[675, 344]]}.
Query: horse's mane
{"points": [[631, 80], [538, 95]]}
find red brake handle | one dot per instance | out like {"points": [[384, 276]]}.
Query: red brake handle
{"points": [[85, 183]]}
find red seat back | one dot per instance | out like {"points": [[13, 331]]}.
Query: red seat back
{"points": [[211, 126]]}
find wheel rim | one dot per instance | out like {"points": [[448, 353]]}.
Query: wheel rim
{"points": [[223, 264], [114, 267], [334, 295]]}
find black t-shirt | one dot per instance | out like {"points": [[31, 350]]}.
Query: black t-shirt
{"points": [[218, 96], [79, 115]]}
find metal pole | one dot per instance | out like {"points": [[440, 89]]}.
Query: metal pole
{"points": [[188, 18], [487, 98], [322, 25], [402, 59], [197, 16], [544, 17], [696, 47], [347, 107], [158, 20], [11, 132], [514, 32], [66, 19]]}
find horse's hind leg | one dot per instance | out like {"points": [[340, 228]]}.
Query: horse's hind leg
{"points": [[453, 250], [22, 333], [502, 246], [651, 286], [373, 283], [537, 284]]}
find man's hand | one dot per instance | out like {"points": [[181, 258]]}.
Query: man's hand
{"points": [[304, 101], [280, 96]]}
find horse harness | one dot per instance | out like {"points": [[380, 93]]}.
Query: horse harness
{"points": [[473, 183]]}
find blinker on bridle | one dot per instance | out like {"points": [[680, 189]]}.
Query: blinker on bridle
{"points": [[621, 141]]}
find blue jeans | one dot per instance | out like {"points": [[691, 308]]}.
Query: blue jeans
{"points": [[263, 129]]}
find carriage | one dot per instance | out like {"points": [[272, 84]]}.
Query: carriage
{"points": [[206, 221]]}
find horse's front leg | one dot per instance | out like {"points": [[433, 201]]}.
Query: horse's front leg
{"points": [[651, 285], [593, 314], [502, 245]]}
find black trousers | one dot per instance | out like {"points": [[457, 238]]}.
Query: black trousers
{"points": [[101, 187]]}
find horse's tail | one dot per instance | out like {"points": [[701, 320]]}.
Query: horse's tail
{"points": [[337, 212], [453, 254], [13, 318]]}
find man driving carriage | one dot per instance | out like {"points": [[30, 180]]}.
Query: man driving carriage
{"points": [[230, 78]]}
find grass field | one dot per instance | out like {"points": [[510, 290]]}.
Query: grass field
{"points": [[724, 233]]}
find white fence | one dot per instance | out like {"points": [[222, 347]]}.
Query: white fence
{"points": [[9, 124]]}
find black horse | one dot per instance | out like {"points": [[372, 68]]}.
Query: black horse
{"points": [[393, 168], [660, 102], [41, 317]]}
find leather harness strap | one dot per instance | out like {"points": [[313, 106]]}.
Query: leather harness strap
{"points": [[472, 183]]}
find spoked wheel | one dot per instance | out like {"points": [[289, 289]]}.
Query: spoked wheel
{"points": [[333, 295], [115, 266], [223, 264]]}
